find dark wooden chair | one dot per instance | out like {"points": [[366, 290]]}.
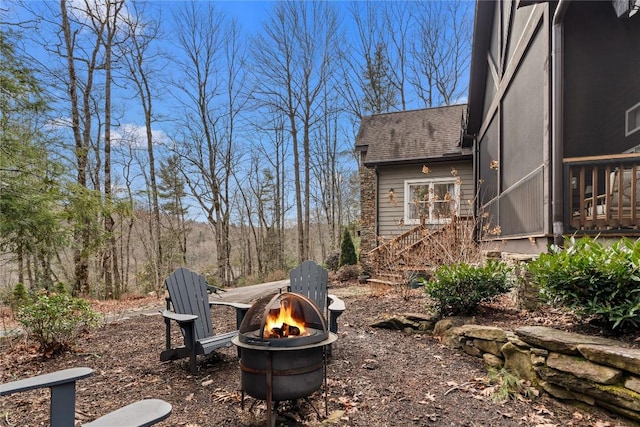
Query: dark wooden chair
{"points": [[62, 384], [310, 279], [189, 297]]}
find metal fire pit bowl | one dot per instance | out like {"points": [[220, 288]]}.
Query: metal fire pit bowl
{"points": [[252, 329], [287, 368]]}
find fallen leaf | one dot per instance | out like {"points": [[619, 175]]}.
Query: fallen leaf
{"points": [[206, 383], [541, 409], [335, 416]]}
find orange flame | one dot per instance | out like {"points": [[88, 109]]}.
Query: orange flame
{"points": [[283, 315]]}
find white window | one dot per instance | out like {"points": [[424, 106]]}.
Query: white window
{"points": [[433, 201], [632, 120]]}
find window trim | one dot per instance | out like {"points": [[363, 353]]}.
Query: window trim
{"points": [[430, 181], [633, 110]]}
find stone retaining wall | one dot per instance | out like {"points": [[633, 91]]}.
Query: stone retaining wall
{"points": [[568, 366]]}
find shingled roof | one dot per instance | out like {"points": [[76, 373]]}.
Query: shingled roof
{"points": [[412, 136]]}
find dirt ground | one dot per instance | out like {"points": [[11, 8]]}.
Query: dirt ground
{"points": [[376, 377]]}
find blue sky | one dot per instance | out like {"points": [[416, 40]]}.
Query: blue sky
{"points": [[251, 16]]}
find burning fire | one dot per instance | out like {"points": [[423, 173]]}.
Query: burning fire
{"points": [[283, 322]]}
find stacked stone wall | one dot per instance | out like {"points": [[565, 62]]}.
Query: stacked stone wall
{"points": [[368, 237], [568, 366]]}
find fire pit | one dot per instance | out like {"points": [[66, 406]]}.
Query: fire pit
{"points": [[282, 342]]}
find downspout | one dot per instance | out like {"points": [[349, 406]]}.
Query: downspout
{"points": [[557, 113]]}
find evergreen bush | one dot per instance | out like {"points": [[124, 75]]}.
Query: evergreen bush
{"points": [[458, 289], [347, 250], [56, 320], [19, 296], [596, 281]]}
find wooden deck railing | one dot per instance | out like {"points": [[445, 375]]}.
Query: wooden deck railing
{"points": [[602, 193]]}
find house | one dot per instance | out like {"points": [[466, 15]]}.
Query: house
{"points": [[554, 119], [414, 173]]}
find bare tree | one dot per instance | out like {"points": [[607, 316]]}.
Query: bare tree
{"points": [[80, 97], [325, 170], [441, 51], [267, 192], [211, 104], [370, 85], [293, 57], [141, 67], [111, 24], [397, 17]]}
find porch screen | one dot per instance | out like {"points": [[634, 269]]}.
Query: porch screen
{"points": [[431, 202]]}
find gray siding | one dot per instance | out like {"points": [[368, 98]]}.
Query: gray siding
{"points": [[391, 214], [602, 69], [514, 132], [522, 110]]}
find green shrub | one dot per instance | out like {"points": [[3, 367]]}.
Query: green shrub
{"points": [[19, 296], [458, 289], [597, 281], [348, 254], [56, 320], [60, 288], [506, 386]]}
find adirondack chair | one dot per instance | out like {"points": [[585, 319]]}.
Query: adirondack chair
{"points": [[188, 294], [62, 384], [310, 279]]}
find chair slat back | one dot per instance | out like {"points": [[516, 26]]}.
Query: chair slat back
{"points": [[188, 292], [310, 279], [627, 185]]}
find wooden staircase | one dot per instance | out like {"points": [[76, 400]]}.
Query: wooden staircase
{"points": [[420, 250]]}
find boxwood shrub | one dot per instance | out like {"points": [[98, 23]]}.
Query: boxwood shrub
{"points": [[458, 289], [597, 281]]}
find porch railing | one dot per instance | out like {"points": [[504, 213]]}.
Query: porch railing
{"points": [[602, 193]]}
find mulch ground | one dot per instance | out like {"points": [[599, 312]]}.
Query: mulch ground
{"points": [[376, 377]]}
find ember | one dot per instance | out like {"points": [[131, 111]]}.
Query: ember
{"points": [[285, 331]]}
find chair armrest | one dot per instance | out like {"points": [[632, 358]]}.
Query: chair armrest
{"points": [[241, 309], [336, 307], [142, 413], [335, 303], [236, 305], [46, 380], [180, 318]]}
